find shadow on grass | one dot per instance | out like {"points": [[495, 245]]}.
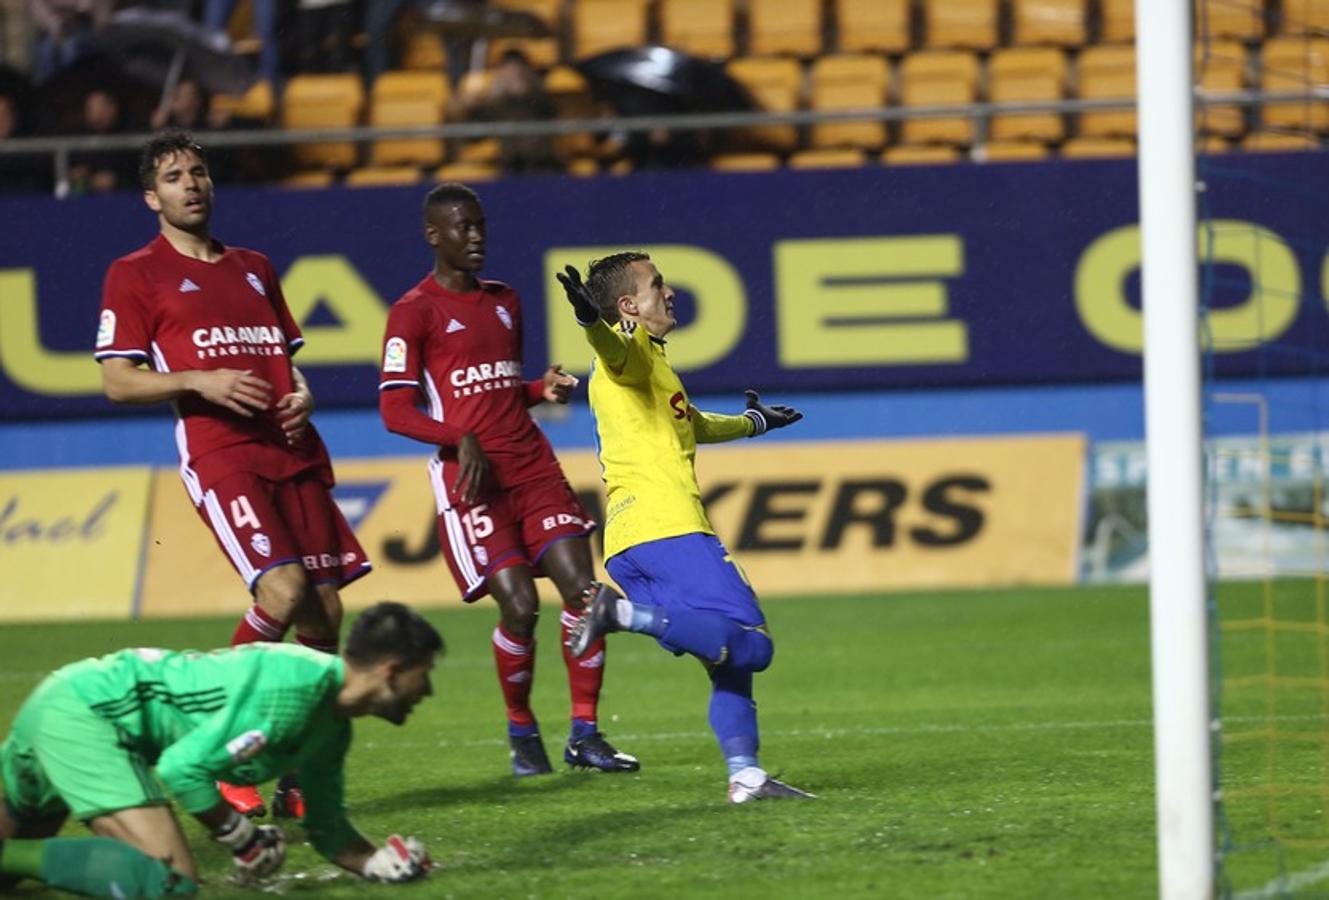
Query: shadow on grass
{"points": [[491, 791]]}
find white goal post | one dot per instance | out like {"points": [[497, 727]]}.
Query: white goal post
{"points": [[1178, 629]]}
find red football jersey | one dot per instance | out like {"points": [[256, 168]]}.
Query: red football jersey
{"points": [[176, 313], [463, 353]]}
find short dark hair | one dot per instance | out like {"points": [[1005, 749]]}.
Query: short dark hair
{"points": [[610, 278], [449, 192], [162, 145], [390, 629]]}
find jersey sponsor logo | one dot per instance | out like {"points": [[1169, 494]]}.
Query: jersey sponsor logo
{"points": [[551, 522], [262, 546], [504, 316], [315, 561], [505, 373], [188, 286], [106, 329], [249, 340], [246, 746], [394, 355], [454, 326], [256, 283]]}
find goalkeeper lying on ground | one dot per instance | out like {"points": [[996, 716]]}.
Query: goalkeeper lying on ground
{"points": [[88, 738]]}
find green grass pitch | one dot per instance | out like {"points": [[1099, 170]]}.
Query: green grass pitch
{"points": [[965, 744]]}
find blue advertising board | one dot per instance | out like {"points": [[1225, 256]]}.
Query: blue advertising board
{"points": [[872, 278]]}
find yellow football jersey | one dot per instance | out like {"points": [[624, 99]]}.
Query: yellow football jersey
{"points": [[646, 436]]}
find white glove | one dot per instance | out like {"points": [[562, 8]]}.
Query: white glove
{"points": [[397, 861], [258, 850]]}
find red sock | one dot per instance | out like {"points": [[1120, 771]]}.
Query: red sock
{"points": [[585, 675], [323, 645], [515, 659], [256, 625]]}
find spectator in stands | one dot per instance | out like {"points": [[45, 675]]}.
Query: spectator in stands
{"points": [[217, 14], [24, 173], [187, 109], [324, 28], [513, 93], [64, 31], [99, 171], [380, 55]]}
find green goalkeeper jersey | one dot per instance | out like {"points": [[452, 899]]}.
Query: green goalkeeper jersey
{"points": [[242, 715]]}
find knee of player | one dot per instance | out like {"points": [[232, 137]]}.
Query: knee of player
{"points": [[763, 651]]}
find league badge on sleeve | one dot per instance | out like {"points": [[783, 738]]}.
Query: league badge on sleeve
{"points": [[106, 329], [394, 355], [246, 746]]}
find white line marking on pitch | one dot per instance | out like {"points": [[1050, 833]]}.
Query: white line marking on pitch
{"points": [[1286, 885]]}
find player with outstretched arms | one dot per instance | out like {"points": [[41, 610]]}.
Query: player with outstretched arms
{"points": [[204, 326], [108, 740], [505, 511], [682, 586]]}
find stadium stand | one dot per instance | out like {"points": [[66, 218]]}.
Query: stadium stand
{"points": [[1097, 148], [1289, 64], [827, 159], [1013, 151], [374, 176], [1107, 72], [1061, 23], [408, 98], [1027, 74], [906, 155], [602, 25], [323, 101], [543, 52], [960, 24], [1221, 66], [701, 27], [939, 78], [882, 26], [745, 162], [849, 81], [785, 26], [1116, 21], [776, 84]]}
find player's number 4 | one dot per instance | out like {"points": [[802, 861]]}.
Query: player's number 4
{"points": [[242, 513]]}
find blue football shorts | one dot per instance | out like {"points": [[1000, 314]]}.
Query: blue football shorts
{"points": [[691, 571]]}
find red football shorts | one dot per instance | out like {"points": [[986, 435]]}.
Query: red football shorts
{"points": [[503, 530], [260, 524]]}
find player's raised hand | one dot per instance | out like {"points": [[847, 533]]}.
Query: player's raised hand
{"points": [[240, 391], [398, 861], [258, 850], [578, 295], [473, 468], [764, 418], [558, 384]]}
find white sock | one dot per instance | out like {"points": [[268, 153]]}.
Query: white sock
{"points": [[751, 778], [623, 612]]}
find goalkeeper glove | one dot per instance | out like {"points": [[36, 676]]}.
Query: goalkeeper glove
{"points": [[397, 861], [764, 418], [258, 850], [579, 296]]}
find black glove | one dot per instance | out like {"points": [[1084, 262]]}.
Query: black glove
{"points": [[579, 296], [764, 418]]}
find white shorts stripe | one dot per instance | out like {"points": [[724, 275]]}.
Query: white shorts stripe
{"points": [[459, 549], [221, 526]]}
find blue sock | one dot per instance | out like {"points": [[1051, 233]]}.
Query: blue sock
{"points": [[515, 730], [733, 717], [582, 728]]}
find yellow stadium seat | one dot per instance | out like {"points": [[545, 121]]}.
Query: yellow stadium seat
{"points": [[1212, 145], [1107, 72], [926, 155], [828, 159], [967, 24], [255, 103], [784, 26], [582, 167], [383, 176], [700, 27], [849, 81], [1011, 151], [776, 84], [1239, 20], [543, 52], [320, 178], [323, 101], [745, 162], [466, 171], [1063, 23], [1117, 19], [1295, 64], [1027, 74], [572, 100], [601, 25], [1221, 66], [407, 98], [1305, 17], [1278, 142], [880, 25], [1097, 148], [423, 50], [939, 78], [480, 150]]}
